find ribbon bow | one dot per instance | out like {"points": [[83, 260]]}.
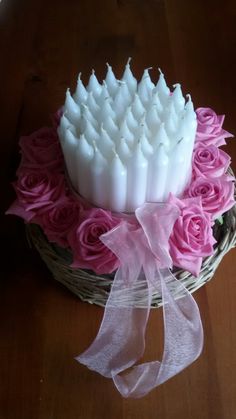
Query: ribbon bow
{"points": [[143, 251]]}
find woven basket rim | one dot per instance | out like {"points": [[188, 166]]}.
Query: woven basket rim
{"points": [[95, 289]]}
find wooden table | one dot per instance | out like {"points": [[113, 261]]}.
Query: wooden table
{"points": [[43, 45]]}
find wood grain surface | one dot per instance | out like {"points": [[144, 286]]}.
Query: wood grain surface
{"points": [[43, 46]]}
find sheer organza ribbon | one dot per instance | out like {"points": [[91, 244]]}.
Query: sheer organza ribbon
{"points": [[145, 268]]}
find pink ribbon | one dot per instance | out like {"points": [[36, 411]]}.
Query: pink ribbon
{"points": [[145, 261]]}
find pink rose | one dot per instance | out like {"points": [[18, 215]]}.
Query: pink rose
{"points": [[209, 161], [192, 235], [42, 150], [217, 194], [57, 221], [36, 191], [88, 250], [209, 128]]}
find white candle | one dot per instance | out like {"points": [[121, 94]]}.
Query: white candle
{"points": [[157, 175], [137, 179], [145, 87], [146, 147], [190, 116], [84, 155], [178, 98], [129, 78], [106, 110], [69, 148], [130, 120], [81, 94], [87, 115], [155, 101], [124, 91], [161, 137], [126, 133], [64, 125], [111, 82], [94, 86], [143, 128], [137, 107], [119, 104], [104, 95], [90, 132], [189, 105], [152, 119], [105, 144], [117, 178], [72, 109], [162, 88], [111, 127], [177, 171], [92, 105], [170, 124], [99, 179], [123, 150]]}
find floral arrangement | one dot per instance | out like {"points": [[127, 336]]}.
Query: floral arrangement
{"points": [[45, 198], [142, 245]]}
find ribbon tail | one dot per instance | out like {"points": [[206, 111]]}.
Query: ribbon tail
{"points": [[120, 341], [183, 339]]}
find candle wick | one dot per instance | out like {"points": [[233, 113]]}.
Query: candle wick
{"points": [[189, 97], [160, 71], [79, 77], [108, 65], [176, 85], [129, 59], [95, 146], [93, 71], [115, 153]]}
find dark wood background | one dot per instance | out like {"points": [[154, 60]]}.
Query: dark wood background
{"points": [[43, 46]]}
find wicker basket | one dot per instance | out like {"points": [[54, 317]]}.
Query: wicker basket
{"points": [[95, 289]]}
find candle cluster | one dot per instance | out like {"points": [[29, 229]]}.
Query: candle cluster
{"points": [[126, 143]]}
